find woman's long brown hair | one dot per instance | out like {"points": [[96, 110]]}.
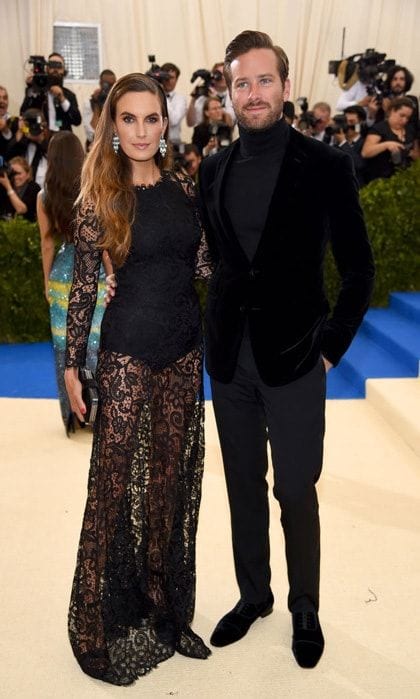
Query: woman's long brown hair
{"points": [[107, 180], [62, 182]]}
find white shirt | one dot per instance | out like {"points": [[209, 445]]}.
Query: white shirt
{"points": [[41, 170], [52, 115], [352, 96], [177, 109]]}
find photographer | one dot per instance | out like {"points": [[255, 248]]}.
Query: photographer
{"points": [[214, 86], [214, 132], [31, 143], [361, 78], [346, 136], [93, 106], [177, 103], [58, 104], [391, 144], [398, 82], [18, 192], [8, 124]]}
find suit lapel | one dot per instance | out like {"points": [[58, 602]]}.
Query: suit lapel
{"points": [[219, 192]]}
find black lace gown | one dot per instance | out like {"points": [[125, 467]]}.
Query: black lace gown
{"points": [[133, 593]]}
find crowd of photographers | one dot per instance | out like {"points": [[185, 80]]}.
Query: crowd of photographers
{"points": [[376, 120]]}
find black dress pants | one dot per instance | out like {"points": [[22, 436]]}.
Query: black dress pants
{"points": [[292, 418]]}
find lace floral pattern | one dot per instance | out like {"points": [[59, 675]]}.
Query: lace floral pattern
{"points": [[133, 592]]}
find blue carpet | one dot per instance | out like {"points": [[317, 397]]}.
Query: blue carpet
{"points": [[28, 372], [387, 345]]}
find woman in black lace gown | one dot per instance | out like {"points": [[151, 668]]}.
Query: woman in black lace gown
{"points": [[133, 593]]}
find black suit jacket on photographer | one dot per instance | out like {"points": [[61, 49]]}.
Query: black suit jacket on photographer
{"points": [[40, 101], [280, 291], [5, 143], [21, 148]]}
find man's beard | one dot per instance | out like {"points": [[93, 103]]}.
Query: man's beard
{"points": [[262, 121]]}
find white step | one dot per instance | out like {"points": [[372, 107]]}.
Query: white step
{"points": [[398, 401]]}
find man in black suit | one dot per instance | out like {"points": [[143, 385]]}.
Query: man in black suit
{"points": [[271, 203], [58, 103]]}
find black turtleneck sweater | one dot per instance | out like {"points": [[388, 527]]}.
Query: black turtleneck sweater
{"points": [[251, 179]]}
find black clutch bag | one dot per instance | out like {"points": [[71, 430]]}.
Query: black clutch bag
{"points": [[90, 394]]}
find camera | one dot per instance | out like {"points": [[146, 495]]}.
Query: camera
{"points": [[5, 168], [302, 102], [156, 71], [307, 121], [208, 78], [222, 132], [369, 67], [100, 99], [41, 80], [401, 157], [33, 125]]}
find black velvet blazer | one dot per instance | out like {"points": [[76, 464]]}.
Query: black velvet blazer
{"points": [[281, 290]]}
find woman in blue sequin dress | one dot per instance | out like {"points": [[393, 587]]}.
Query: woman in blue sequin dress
{"points": [[55, 217]]}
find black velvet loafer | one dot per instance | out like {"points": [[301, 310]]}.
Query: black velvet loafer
{"points": [[235, 624], [308, 641]]}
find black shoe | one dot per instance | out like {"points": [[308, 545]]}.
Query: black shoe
{"points": [[308, 641], [235, 624]]}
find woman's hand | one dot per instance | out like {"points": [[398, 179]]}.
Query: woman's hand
{"points": [[111, 285], [74, 392], [394, 147]]}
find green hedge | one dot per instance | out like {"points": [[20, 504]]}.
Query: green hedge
{"points": [[24, 313], [392, 211]]}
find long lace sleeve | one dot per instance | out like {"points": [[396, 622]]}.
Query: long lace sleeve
{"points": [[203, 265], [82, 300]]}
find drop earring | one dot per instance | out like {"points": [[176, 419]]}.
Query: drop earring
{"points": [[115, 143], [163, 147]]}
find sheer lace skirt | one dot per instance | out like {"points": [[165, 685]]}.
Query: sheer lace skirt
{"points": [[133, 593]]}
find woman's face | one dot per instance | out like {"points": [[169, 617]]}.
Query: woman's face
{"points": [[398, 118], [214, 111], [139, 125], [20, 176]]}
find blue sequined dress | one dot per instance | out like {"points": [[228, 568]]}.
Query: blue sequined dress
{"points": [[59, 286]]}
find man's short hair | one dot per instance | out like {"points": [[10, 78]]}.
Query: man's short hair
{"points": [[356, 109], [55, 53], [107, 71], [171, 66], [289, 110], [324, 106], [409, 77], [248, 40], [33, 113], [191, 148]]}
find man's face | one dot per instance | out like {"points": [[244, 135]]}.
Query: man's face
{"points": [[220, 84], [169, 85], [57, 67], [257, 91], [193, 163], [398, 83], [323, 118], [4, 102], [352, 119], [107, 79]]}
